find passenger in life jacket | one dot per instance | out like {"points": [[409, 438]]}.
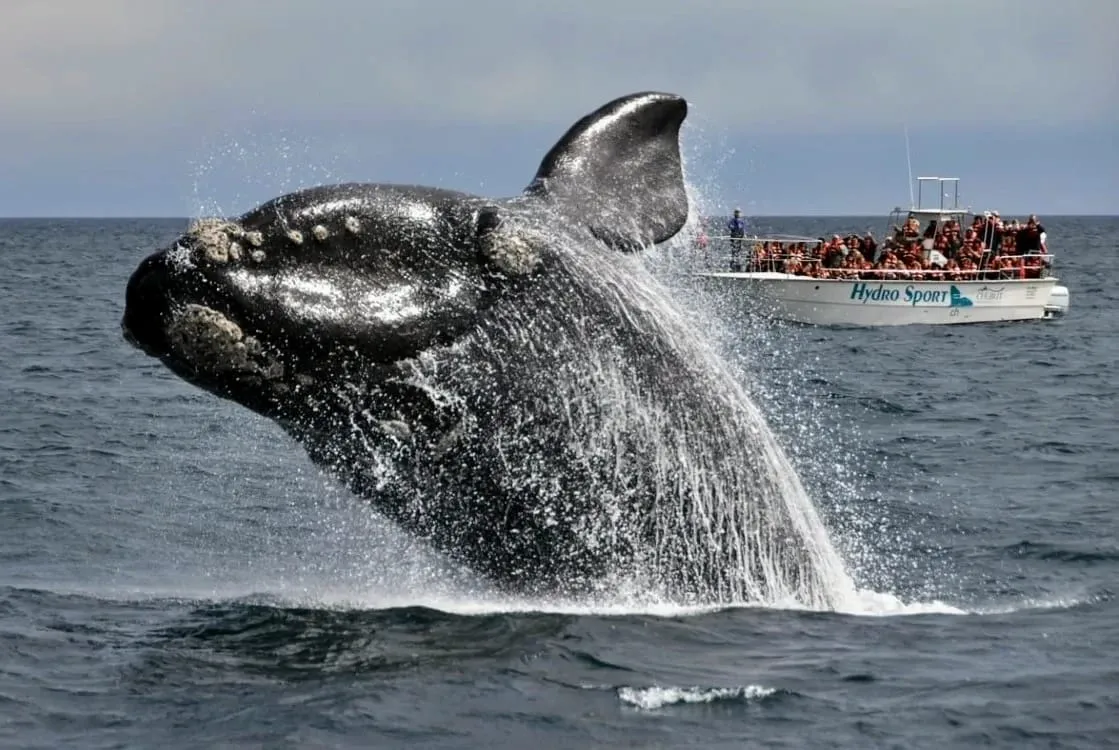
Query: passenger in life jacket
{"points": [[737, 229]]}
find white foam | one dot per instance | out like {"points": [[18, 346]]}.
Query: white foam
{"points": [[878, 604], [1037, 603], [652, 698], [465, 602]]}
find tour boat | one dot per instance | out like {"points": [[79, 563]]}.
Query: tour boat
{"points": [[997, 288]]}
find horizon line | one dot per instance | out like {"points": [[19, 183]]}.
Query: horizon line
{"points": [[813, 215]]}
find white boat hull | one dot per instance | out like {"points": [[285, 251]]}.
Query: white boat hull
{"points": [[865, 302]]}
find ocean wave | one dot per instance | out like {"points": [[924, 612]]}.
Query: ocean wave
{"points": [[1063, 552]]}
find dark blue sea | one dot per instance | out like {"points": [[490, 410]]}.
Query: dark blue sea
{"points": [[174, 573]]}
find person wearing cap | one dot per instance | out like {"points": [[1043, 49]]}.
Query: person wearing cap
{"points": [[737, 229]]}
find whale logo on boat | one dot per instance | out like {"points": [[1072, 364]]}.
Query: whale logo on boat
{"points": [[990, 293], [957, 299], [502, 378]]}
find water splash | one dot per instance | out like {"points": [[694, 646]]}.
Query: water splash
{"points": [[767, 501], [237, 171], [675, 467], [653, 698]]}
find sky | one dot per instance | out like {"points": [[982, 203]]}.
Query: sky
{"points": [[189, 107]]}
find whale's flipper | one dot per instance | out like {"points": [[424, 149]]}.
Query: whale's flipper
{"points": [[618, 171]]}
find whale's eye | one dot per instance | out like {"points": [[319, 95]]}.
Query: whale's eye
{"points": [[489, 220]]}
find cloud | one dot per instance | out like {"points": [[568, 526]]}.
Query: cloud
{"points": [[146, 68]]}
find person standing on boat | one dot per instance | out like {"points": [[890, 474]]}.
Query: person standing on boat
{"points": [[1031, 238], [737, 229], [992, 236]]}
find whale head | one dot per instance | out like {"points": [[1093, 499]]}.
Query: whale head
{"points": [[325, 282], [311, 285]]}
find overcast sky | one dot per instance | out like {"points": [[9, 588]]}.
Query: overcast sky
{"points": [[175, 107]]}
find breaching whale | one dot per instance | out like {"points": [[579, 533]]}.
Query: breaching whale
{"points": [[500, 377]]}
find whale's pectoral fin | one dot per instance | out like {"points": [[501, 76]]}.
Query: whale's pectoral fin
{"points": [[618, 170]]}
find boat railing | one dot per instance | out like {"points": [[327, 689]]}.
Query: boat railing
{"points": [[1028, 265], [751, 244], [816, 259], [772, 253]]}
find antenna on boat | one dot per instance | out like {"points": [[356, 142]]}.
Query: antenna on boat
{"points": [[908, 163]]}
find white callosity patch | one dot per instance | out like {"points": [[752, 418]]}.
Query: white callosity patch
{"points": [[513, 250], [212, 228], [215, 237], [223, 241], [208, 339]]}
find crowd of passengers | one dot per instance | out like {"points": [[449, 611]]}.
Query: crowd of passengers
{"points": [[989, 248]]}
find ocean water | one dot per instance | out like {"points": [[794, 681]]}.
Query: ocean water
{"points": [[174, 573]]}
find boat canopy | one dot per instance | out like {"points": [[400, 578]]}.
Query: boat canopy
{"points": [[939, 203], [932, 212]]}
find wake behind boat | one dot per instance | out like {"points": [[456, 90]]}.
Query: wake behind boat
{"points": [[991, 271]]}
